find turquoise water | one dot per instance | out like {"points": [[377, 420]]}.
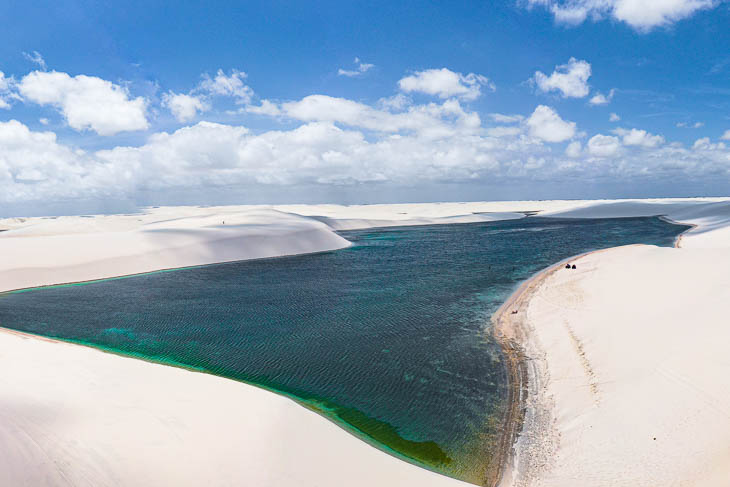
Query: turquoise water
{"points": [[390, 338]]}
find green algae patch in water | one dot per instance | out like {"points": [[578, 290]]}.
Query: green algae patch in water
{"points": [[381, 434], [389, 338], [426, 452]]}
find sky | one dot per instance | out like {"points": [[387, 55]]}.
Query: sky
{"points": [[108, 106]]}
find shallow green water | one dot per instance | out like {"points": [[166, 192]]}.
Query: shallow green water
{"points": [[391, 338]]}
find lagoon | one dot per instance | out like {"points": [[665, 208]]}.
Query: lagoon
{"points": [[391, 337]]}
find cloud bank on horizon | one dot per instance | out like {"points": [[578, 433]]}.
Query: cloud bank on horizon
{"points": [[427, 130]]}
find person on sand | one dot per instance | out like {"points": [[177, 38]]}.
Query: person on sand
{"points": [[573, 266], [567, 266]]}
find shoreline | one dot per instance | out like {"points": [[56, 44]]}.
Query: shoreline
{"points": [[319, 410], [520, 366], [135, 416], [510, 331], [678, 240], [530, 377], [157, 271]]}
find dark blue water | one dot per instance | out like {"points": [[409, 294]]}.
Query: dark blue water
{"points": [[391, 338]]}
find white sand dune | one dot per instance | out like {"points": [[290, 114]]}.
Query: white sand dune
{"points": [[630, 377], [75, 416], [71, 415], [71, 249]]}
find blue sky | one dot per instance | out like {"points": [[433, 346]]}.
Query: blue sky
{"points": [[160, 103]]}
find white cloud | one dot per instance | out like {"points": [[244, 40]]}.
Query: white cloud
{"points": [[5, 90], [33, 166], [503, 131], [335, 141], [43, 121], [266, 108], [431, 120], [573, 150], [646, 15], [640, 138], [570, 79], [501, 118], [642, 15], [361, 68], [184, 107], [394, 103], [726, 135], [36, 58], [603, 146], [686, 125], [704, 145], [445, 83], [601, 99], [546, 124], [228, 85], [613, 118], [86, 102], [569, 15]]}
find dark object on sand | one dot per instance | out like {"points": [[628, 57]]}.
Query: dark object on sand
{"points": [[514, 312], [573, 266], [567, 266]]}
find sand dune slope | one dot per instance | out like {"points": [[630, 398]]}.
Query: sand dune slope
{"points": [[75, 416], [71, 249], [633, 382]]}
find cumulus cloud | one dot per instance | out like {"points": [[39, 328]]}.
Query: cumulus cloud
{"points": [[614, 118], [340, 142], [574, 149], [603, 146], [639, 14], [638, 137], [705, 145], [86, 102], [445, 83], [601, 99], [267, 107], [33, 165], [394, 103], [232, 85], [184, 107], [726, 135], [546, 124], [570, 79], [431, 120], [361, 68]]}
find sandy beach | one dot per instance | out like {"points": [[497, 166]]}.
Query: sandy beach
{"points": [[71, 415], [624, 365]]}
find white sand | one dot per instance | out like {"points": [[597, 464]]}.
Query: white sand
{"points": [[629, 347], [70, 249], [75, 416], [71, 415]]}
